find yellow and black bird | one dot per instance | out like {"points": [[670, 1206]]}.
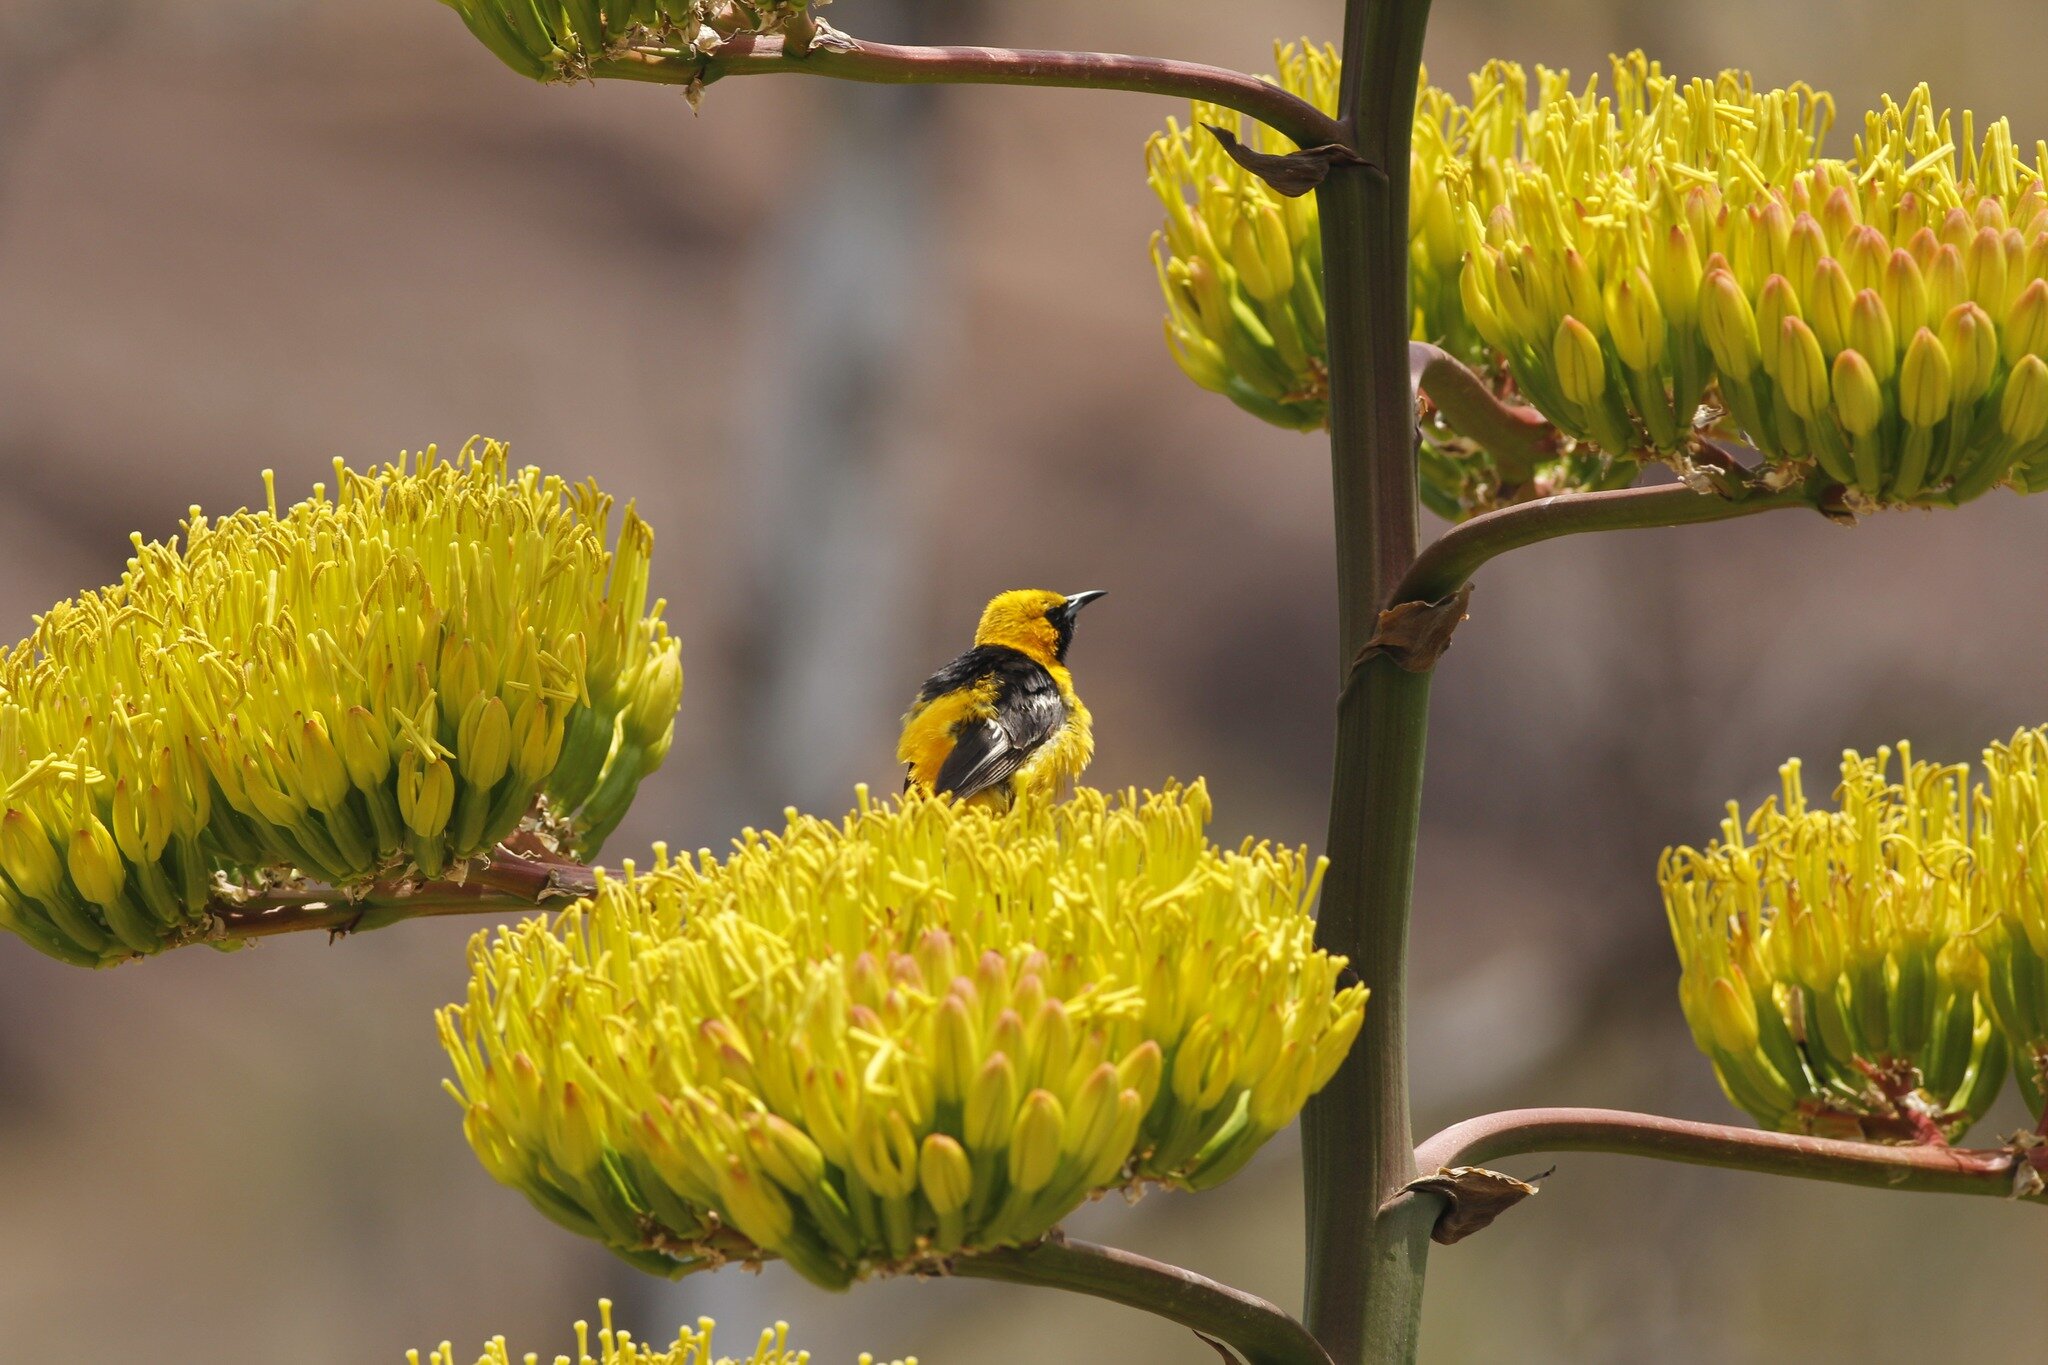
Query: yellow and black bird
{"points": [[1002, 720]]}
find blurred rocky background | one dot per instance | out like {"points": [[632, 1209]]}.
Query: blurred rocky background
{"points": [[864, 357]]}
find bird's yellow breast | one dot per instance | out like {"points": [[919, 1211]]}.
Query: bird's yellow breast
{"points": [[1057, 763]]}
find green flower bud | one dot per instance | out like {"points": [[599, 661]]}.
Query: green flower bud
{"points": [[1581, 372], [1260, 251], [1858, 400], [96, 866], [655, 696], [30, 861], [1035, 1142], [1638, 323], [944, 1174], [426, 794], [1972, 346], [2026, 326], [917, 1066], [1925, 383], [1729, 325], [484, 742], [1905, 292], [1871, 335], [1802, 372], [365, 748], [2023, 413], [991, 1104]]}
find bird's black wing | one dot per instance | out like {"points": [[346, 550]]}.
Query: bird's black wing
{"points": [[1028, 712]]}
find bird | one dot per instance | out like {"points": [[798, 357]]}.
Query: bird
{"points": [[1003, 721]]}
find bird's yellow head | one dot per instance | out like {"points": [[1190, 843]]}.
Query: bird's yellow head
{"points": [[1033, 622]]}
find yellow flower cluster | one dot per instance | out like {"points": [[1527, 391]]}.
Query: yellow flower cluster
{"points": [[1838, 966], [1880, 318], [923, 1031], [1666, 257], [551, 40], [617, 1347], [376, 683]]}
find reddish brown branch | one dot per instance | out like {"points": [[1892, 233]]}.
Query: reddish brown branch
{"points": [[890, 64], [508, 881], [2001, 1172]]}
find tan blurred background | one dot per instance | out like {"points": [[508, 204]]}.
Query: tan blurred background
{"points": [[861, 370]]}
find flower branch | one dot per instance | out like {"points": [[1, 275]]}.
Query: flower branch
{"points": [[891, 64], [1517, 437], [1256, 1330], [2011, 1172], [1449, 562], [508, 881]]}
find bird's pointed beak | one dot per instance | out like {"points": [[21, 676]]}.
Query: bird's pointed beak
{"points": [[1078, 600]]}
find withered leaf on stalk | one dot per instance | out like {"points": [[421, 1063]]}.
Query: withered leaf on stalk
{"points": [[1290, 173]]}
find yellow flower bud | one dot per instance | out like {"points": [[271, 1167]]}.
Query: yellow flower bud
{"points": [[2026, 326], [1637, 322], [1905, 292], [1925, 384], [483, 743], [426, 794], [365, 747], [95, 863], [656, 695], [1871, 335], [1581, 372], [2023, 413], [1261, 253], [1828, 303], [1802, 371], [1035, 1142], [1731, 1016], [1972, 345], [1859, 402], [943, 1173], [991, 1104], [318, 765], [1730, 325]]}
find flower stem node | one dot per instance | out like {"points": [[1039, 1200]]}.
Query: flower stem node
{"points": [[923, 1031], [376, 684]]}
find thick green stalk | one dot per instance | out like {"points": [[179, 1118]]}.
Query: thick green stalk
{"points": [[1365, 1271], [1258, 1332]]}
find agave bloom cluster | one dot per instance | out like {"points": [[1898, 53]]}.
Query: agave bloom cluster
{"points": [[1241, 265], [1878, 319], [920, 1032], [376, 683], [615, 1346], [565, 39], [1679, 258], [1832, 968]]}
